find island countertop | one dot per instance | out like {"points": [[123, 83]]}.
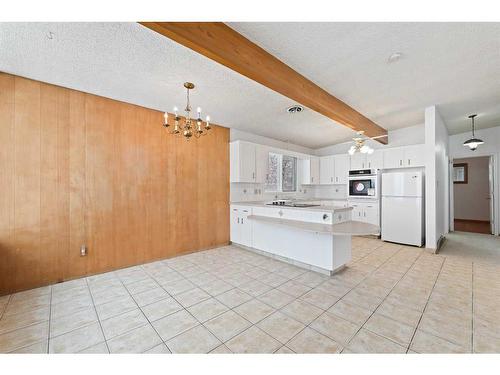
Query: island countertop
{"points": [[322, 207]]}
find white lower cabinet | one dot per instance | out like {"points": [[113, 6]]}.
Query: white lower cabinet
{"points": [[241, 227], [367, 212]]}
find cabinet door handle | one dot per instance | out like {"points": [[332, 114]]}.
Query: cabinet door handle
{"points": [[253, 175], [238, 220], [312, 179], [400, 162], [408, 161], [364, 214], [241, 220], [331, 179]]}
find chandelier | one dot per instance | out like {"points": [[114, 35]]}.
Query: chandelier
{"points": [[473, 142], [359, 145], [186, 126]]}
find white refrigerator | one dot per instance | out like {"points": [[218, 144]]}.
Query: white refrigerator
{"points": [[403, 208]]}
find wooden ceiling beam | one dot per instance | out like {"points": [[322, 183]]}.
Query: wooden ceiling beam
{"points": [[220, 43]]}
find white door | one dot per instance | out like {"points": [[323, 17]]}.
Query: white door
{"points": [[358, 161], [402, 220], [414, 156], [341, 169], [261, 161], [314, 170], [235, 225], [393, 158], [247, 162], [371, 214], [375, 160], [357, 213], [402, 184], [326, 170], [491, 182], [245, 228]]}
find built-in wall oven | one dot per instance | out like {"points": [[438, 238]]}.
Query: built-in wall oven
{"points": [[364, 183]]}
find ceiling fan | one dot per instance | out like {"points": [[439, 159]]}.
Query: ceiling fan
{"points": [[359, 143]]}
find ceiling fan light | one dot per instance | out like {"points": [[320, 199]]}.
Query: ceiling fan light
{"points": [[370, 151], [352, 150], [364, 149]]}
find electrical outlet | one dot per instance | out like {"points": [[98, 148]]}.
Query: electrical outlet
{"points": [[83, 250]]}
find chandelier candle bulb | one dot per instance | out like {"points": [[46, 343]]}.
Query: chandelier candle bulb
{"points": [[165, 117], [187, 125]]}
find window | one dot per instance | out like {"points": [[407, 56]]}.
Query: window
{"points": [[281, 173], [289, 173]]}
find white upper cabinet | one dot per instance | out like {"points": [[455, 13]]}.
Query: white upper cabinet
{"points": [[367, 161], [394, 158], [243, 162], [326, 170], [358, 161], [404, 157], [375, 160], [261, 163], [309, 171], [415, 156], [341, 169], [314, 170]]}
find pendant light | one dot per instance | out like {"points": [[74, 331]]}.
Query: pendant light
{"points": [[473, 142]]}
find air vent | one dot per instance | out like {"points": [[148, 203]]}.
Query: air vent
{"points": [[295, 109]]}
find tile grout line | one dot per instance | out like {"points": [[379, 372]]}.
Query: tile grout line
{"points": [[383, 300], [98, 318], [308, 325], [50, 319], [142, 312], [426, 304], [187, 311], [232, 308], [6, 305]]}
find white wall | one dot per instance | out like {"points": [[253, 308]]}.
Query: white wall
{"points": [[471, 200], [437, 177], [491, 147], [235, 135], [411, 135]]}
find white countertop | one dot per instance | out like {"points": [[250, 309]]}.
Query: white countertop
{"points": [[348, 228], [329, 208]]}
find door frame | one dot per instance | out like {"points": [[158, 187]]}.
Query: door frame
{"points": [[494, 157]]}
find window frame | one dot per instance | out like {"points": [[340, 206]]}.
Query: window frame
{"points": [[280, 174]]}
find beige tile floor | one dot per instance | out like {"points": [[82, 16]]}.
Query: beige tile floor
{"points": [[390, 299]]}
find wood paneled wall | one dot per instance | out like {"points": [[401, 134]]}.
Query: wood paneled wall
{"points": [[80, 169]]}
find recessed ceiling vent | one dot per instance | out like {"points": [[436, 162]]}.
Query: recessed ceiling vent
{"points": [[295, 109]]}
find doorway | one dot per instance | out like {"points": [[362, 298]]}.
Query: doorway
{"points": [[473, 187]]}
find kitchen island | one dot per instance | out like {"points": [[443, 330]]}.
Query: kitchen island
{"points": [[317, 237]]}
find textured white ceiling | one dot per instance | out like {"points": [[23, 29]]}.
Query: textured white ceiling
{"points": [[128, 62], [453, 65]]}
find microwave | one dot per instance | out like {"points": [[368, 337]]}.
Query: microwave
{"points": [[363, 184]]}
